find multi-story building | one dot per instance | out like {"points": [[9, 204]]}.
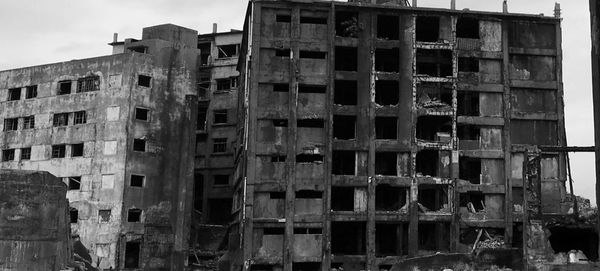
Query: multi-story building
{"points": [[371, 132], [119, 129]]}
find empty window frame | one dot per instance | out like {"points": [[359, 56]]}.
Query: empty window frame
{"points": [[390, 198], [74, 183], [346, 58], [348, 238], [345, 92], [144, 80], [134, 215], [224, 84], [59, 151], [29, 122], [309, 158], [60, 119], [139, 144], [282, 52], [434, 236], [343, 163], [387, 92], [25, 154], [468, 103], [469, 169], [220, 180], [219, 145], [344, 127], [386, 127], [137, 180], [30, 92], [342, 198], [467, 28], [80, 117], [73, 215], [11, 124], [313, 20], [312, 88], [388, 27], [428, 28], [132, 254], [225, 51], [436, 63], [391, 239], [311, 123], [474, 201], [468, 64], [8, 155], [313, 54], [142, 114], [64, 87], [433, 198], [434, 128], [432, 95], [387, 60], [427, 163], [14, 94], [77, 150], [468, 132], [89, 83], [220, 117], [346, 24], [309, 194], [104, 216], [386, 163], [281, 87]]}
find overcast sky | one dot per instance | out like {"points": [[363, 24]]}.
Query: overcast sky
{"points": [[36, 32]]}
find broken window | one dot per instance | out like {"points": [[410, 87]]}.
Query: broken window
{"points": [[132, 254], [433, 198], [282, 18], [342, 198], [73, 183], [348, 238], [434, 236], [58, 151], [385, 163], [90, 83], [73, 215], [282, 52], [311, 123], [29, 122], [11, 124], [473, 201], [281, 87], [104, 216], [467, 28], [388, 27], [64, 87], [343, 163], [219, 145], [387, 92], [470, 169], [436, 63], [387, 60], [8, 155], [346, 58], [230, 50], [79, 117], [391, 198], [386, 127], [312, 89], [427, 163], [220, 180], [139, 145], [144, 80], [25, 154], [346, 24], [14, 94], [391, 239], [428, 28], [434, 95], [77, 150], [306, 266], [434, 128], [468, 132], [204, 53], [468, 103], [141, 114], [137, 180], [468, 64], [201, 121], [344, 127], [345, 92], [220, 116], [31, 92], [313, 20], [134, 215], [313, 54], [309, 158]]}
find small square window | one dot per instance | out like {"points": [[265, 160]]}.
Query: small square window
{"points": [[141, 114], [220, 116], [80, 117], [134, 215], [29, 122], [104, 216], [25, 154], [64, 87], [8, 155], [221, 180], [31, 92], [77, 150], [139, 145], [137, 180], [60, 119], [144, 81], [11, 124], [58, 151], [74, 183], [14, 94], [220, 144], [223, 84], [73, 215]]}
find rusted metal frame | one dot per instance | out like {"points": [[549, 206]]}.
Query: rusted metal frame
{"points": [[370, 234], [508, 204], [413, 230]]}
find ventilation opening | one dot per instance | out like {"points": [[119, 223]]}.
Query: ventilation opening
{"points": [[342, 198], [433, 198], [386, 128], [434, 95], [565, 239], [313, 54], [312, 20], [388, 27], [428, 29], [434, 128], [281, 87], [470, 169], [427, 163], [344, 127], [219, 211], [387, 60], [467, 28], [468, 104], [385, 163], [346, 24], [306, 266], [346, 58], [436, 63], [345, 92], [134, 215], [473, 201], [309, 158], [391, 239], [343, 163], [132, 254], [282, 52], [348, 238], [387, 92], [309, 194], [390, 198], [434, 236], [468, 132], [312, 89], [311, 123], [468, 64], [281, 18]]}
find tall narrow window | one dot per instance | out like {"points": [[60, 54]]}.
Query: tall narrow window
{"points": [[31, 92], [80, 117], [29, 122], [132, 254], [73, 215]]}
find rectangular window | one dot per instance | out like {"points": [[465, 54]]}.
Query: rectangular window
{"points": [[11, 124], [221, 180], [134, 215], [60, 119], [313, 20], [74, 183], [25, 154], [14, 94], [80, 117], [220, 116], [31, 92], [90, 83], [144, 80], [137, 180], [29, 122], [64, 87], [228, 50], [77, 150], [219, 144], [223, 84], [141, 114], [313, 54], [104, 216], [132, 254], [8, 155], [58, 151], [73, 215], [139, 145], [280, 18]]}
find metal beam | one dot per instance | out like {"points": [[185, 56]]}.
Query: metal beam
{"points": [[567, 149]]}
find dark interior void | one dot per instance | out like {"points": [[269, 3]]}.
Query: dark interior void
{"points": [[348, 266], [427, 163], [311, 123], [518, 196], [313, 20], [430, 127], [434, 236], [281, 87], [309, 158], [344, 127], [468, 132], [564, 239], [467, 28], [517, 235], [432, 197], [306, 266], [428, 28], [434, 94], [345, 92], [385, 267], [312, 89], [387, 92], [262, 267], [346, 58], [387, 60], [476, 198], [385, 163], [469, 169], [132, 254], [386, 127], [346, 24], [467, 103], [391, 239], [219, 211], [313, 55], [348, 238], [342, 198], [198, 191], [468, 64], [309, 194], [468, 236], [390, 198], [343, 163], [388, 27], [436, 63]]}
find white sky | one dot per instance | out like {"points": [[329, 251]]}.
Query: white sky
{"points": [[37, 32]]}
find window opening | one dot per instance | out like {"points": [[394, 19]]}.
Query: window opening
{"points": [[137, 180], [346, 24], [312, 89], [11, 124], [25, 153], [64, 87], [387, 60], [14, 94], [228, 50], [391, 198], [219, 145], [436, 63], [311, 123], [468, 103], [139, 145], [77, 150], [467, 28], [29, 122], [58, 151], [313, 54], [309, 158], [134, 215], [386, 163], [220, 180], [220, 116], [427, 163], [90, 83], [434, 128], [386, 127], [74, 183], [344, 127], [387, 92], [80, 117], [31, 92], [434, 95], [346, 58], [470, 169], [144, 80], [345, 92], [428, 29], [342, 198], [341, 244], [388, 27], [141, 114], [343, 163]]}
